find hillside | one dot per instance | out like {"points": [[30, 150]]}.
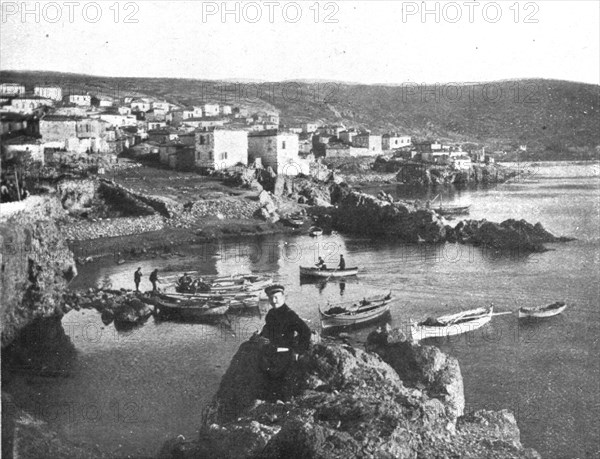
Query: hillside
{"points": [[555, 119]]}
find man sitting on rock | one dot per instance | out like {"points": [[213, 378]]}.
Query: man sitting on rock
{"points": [[287, 333]]}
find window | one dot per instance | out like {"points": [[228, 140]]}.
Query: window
{"points": [[210, 155], [202, 141], [283, 145]]}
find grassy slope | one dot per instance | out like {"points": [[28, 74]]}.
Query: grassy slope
{"points": [[548, 116]]}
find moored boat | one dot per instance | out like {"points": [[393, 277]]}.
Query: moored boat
{"points": [[452, 324], [453, 210], [222, 286], [327, 272], [191, 312], [348, 314], [315, 231], [543, 311]]}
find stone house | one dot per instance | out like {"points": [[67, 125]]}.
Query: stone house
{"points": [[369, 141], [309, 127], [392, 141], [226, 110], [221, 148], [276, 149], [29, 104], [23, 145], [12, 89], [204, 123], [210, 110], [49, 92], [141, 105], [83, 100], [348, 135], [16, 123]]}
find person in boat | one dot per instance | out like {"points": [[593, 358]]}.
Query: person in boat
{"points": [[154, 279], [137, 278], [287, 333], [321, 264], [185, 282], [342, 264]]}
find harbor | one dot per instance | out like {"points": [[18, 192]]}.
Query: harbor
{"points": [[167, 372]]}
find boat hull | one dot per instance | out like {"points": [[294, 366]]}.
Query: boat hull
{"points": [[458, 210], [191, 313], [540, 313], [327, 273], [376, 308], [420, 332]]}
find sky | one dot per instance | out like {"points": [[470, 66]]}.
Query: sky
{"points": [[373, 42]]}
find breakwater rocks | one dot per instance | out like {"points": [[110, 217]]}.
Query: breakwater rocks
{"points": [[339, 401], [124, 307], [418, 173], [361, 213]]}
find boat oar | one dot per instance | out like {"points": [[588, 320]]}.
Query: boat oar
{"points": [[503, 313], [326, 280]]}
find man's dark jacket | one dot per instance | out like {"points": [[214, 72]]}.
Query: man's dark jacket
{"points": [[281, 323]]}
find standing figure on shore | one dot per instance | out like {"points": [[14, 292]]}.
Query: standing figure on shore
{"points": [[288, 334], [342, 264], [137, 278], [154, 279]]}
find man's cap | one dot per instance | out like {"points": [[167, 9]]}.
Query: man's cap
{"points": [[271, 289]]}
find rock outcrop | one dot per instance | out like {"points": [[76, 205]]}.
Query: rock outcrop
{"points": [[365, 214], [361, 213], [417, 173], [338, 401], [518, 235], [36, 265]]}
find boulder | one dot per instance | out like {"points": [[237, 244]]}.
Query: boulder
{"points": [[425, 367], [339, 401]]}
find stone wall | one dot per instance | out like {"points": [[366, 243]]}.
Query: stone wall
{"points": [[85, 231]]}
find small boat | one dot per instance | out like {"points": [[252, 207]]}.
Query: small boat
{"points": [[453, 210], [190, 311], [315, 231], [550, 310], [294, 220], [453, 324], [327, 272], [345, 314], [226, 285], [449, 209], [202, 298]]}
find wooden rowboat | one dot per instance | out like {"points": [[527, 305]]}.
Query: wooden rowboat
{"points": [[348, 314], [327, 273], [550, 310], [315, 231], [453, 210], [453, 324], [191, 312]]}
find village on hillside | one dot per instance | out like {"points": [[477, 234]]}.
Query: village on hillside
{"points": [[44, 125]]}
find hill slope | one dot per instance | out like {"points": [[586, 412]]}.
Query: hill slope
{"points": [[553, 118]]}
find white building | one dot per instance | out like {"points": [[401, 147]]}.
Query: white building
{"points": [[221, 148], [210, 109], [11, 89], [392, 141], [83, 100], [276, 149], [49, 92]]}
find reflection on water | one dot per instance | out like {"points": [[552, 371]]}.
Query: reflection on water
{"points": [[152, 383]]}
